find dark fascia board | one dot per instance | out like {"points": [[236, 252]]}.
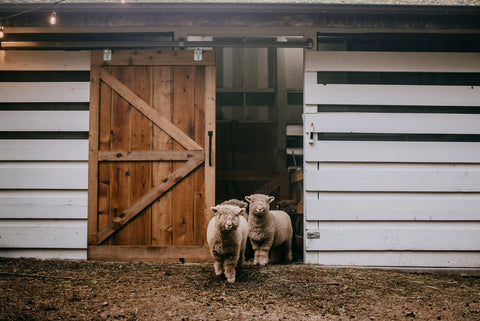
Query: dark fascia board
{"points": [[290, 8]]}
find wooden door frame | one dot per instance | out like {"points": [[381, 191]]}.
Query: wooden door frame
{"points": [[194, 156]]}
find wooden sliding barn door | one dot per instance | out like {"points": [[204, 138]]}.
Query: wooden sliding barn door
{"points": [[151, 160]]}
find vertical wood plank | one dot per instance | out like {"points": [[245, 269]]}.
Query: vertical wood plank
{"points": [[104, 212], [162, 218], [184, 119], [120, 140], [139, 229], [210, 118], [199, 174], [93, 155]]}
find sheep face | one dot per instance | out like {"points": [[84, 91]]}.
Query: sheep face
{"points": [[259, 204], [228, 217]]}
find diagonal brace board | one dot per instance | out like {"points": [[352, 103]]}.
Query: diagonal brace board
{"points": [[127, 215], [139, 104]]}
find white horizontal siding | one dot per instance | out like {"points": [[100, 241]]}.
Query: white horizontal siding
{"points": [[44, 175], [395, 123], [392, 61], [40, 234], [75, 254], [359, 177], [44, 150], [44, 120], [405, 259], [408, 152], [392, 95], [391, 203], [43, 182], [45, 92], [400, 236], [43, 204], [344, 206]]}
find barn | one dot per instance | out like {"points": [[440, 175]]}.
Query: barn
{"points": [[123, 122]]}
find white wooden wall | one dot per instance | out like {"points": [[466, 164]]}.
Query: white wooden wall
{"points": [[43, 182], [392, 203]]}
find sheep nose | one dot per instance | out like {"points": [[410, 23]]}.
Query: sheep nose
{"points": [[228, 224], [259, 210]]}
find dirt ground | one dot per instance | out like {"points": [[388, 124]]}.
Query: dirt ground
{"points": [[84, 290]]}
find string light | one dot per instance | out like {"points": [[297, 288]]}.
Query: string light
{"points": [[53, 18], [2, 34]]}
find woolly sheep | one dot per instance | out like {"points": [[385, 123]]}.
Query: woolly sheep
{"points": [[270, 232], [238, 203], [227, 234]]}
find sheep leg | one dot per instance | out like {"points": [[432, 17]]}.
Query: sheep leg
{"points": [[230, 272], [261, 256], [218, 266], [287, 250]]}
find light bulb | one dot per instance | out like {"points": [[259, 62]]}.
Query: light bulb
{"points": [[53, 18], [1, 33]]}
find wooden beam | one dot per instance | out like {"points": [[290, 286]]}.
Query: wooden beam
{"points": [[93, 155], [128, 214], [140, 156], [134, 253], [153, 58], [172, 130], [245, 175]]}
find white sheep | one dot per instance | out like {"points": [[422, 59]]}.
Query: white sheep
{"points": [[270, 232], [227, 234]]}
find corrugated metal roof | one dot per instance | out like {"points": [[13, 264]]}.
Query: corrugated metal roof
{"points": [[273, 2]]}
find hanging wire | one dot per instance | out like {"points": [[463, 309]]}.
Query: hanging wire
{"points": [[55, 4]]}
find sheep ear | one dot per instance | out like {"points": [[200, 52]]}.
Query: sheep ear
{"points": [[270, 199], [214, 209], [243, 212], [248, 198]]}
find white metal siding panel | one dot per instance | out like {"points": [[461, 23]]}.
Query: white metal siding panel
{"points": [[43, 182], [392, 61], [43, 234], [344, 206], [391, 95], [391, 203], [394, 123], [44, 121], [43, 204], [408, 152], [359, 177], [44, 150]]}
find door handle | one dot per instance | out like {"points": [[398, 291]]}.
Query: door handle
{"points": [[210, 135]]}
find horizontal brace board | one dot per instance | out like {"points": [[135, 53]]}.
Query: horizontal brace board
{"points": [[40, 175], [38, 92], [150, 253], [44, 60], [73, 254], [43, 76], [44, 150], [396, 259], [392, 151], [392, 61], [128, 156], [43, 234], [389, 94], [43, 204], [398, 236], [363, 177], [153, 58], [31, 121], [391, 137], [393, 207], [394, 123]]}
